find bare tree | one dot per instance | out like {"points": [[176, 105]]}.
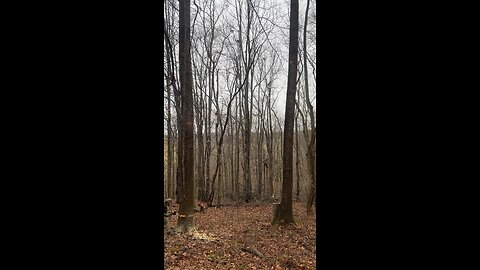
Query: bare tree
{"points": [[236, 51], [311, 146], [186, 220], [284, 215], [171, 84]]}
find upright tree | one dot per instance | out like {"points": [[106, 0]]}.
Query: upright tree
{"points": [[171, 86], [186, 220], [236, 52], [311, 145], [285, 213]]}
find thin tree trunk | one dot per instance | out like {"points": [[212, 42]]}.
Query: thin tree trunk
{"points": [[247, 143], [200, 159], [259, 155], [232, 164], [199, 108], [237, 155], [311, 147], [297, 160], [169, 138], [270, 142]]}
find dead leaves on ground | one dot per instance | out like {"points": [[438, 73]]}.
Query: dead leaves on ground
{"points": [[230, 237]]}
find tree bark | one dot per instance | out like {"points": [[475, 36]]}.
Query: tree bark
{"points": [[185, 219], [311, 145], [286, 213]]}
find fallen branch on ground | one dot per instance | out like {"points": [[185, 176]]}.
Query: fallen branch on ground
{"points": [[252, 251]]}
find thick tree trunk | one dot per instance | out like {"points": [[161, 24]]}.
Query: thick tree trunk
{"points": [[286, 213], [186, 220]]}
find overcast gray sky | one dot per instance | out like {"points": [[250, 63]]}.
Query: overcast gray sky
{"points": [[279, 39]]}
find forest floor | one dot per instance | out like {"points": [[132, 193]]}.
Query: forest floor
{"points": [[230, 237]]}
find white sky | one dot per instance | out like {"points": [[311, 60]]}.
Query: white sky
{"points": [[281, 82]]}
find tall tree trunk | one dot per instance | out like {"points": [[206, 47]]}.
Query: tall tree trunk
{"points": [[237, 154], [259, 153], [180, 152], [220, 140], [285, 213], [247, 143], [297, 160], [219, 165], [232, 164], [236, 170], [269, 141], [208, 133], [217, 172], [199, 108], [311, 156], [171, 81], [311, 145], [186, 220], [178, 110], [239, 101], [200, 158], [169, 135], [180, 145], [219, 153]]}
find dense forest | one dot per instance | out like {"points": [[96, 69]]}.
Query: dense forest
{"points": [[240, 128]]}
